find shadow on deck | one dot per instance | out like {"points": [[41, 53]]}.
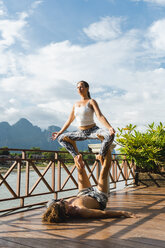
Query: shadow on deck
{"points": [[25, 229]]}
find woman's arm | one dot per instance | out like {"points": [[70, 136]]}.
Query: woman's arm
{"points": [[65, 126], [96, 213], [101, 117]]}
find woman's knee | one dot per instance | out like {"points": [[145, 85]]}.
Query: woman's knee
{"points": [[105, 136], [110, 138], [60, 138]]}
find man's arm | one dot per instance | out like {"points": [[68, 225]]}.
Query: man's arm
{"points": [[96, 213]]}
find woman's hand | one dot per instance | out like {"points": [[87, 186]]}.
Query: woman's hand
{"points": [[55, 135], [111, 131], [66, 125]]}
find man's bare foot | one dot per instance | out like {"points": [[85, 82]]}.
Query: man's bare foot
{"points": [[100, 158], [79, 161]]}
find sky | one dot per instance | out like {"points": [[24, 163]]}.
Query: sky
{"points": [[117, 46]]}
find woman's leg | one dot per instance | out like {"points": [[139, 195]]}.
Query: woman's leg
{"points": [[68, 139], [106, 141], [103, 135]]}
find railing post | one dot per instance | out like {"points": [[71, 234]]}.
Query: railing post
{"points": [[53, 171], [27, 178], [133, 170], [114, 170], [18, 178], [22, 202], [59, 176], [23, 154], [125, 170], [136, 171]]}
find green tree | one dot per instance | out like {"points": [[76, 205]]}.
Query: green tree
{"points": [[35, 151], [48, 155], [5, 151], [65, 155], [146, 148], [89, 157]]}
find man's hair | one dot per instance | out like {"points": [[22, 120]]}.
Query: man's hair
{"points": [[56, 212]]}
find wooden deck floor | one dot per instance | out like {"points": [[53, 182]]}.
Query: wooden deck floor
{"points": [[26, 229]]}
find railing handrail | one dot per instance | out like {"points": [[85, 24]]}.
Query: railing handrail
{"points": [[54, 151], [120, 169]]}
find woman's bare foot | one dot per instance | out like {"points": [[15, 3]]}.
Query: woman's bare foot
{"points": [[79, 161]]}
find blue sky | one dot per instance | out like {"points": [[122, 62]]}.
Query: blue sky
{"points": [[118, 46]]}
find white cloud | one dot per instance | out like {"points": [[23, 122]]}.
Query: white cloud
{"points": [[35, 4], [156, 35], [12, 30], [157, 2], [11, 111], [106, 29], [3, 10], [42, 86]]}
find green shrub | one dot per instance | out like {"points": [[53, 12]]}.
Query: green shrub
{"points": [[146, 148]]}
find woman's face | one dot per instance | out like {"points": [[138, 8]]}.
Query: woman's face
{"points": [[82, 90]]}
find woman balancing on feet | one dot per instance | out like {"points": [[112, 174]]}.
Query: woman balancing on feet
{"points": [[90, 202], [83, 111]]}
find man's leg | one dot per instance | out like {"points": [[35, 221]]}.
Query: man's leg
{"points": [[68, 141], [83, 180]]}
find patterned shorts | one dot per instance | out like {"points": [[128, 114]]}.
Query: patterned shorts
{"points": [[101, 197]]}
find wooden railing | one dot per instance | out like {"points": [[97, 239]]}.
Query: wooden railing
{"points": [[20, 188]]}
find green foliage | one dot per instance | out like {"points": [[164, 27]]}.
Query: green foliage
{"points": [[36, 151], [146, 148], [4, 151], [48, 155], [65, 156], [89, 157]]}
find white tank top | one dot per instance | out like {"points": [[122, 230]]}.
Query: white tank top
{"points": [[84, 115]]}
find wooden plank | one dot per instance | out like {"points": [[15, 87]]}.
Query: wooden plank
{"points": [[25, 229]]}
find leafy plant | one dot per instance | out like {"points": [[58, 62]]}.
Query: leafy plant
{"points": [[35, 151], [4, 151], [146, 148], [64, 156]]}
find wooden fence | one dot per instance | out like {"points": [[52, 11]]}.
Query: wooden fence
{"points": [[23, 180]]}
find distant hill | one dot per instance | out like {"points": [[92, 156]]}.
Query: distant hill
{"points": [[23, 134]]}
